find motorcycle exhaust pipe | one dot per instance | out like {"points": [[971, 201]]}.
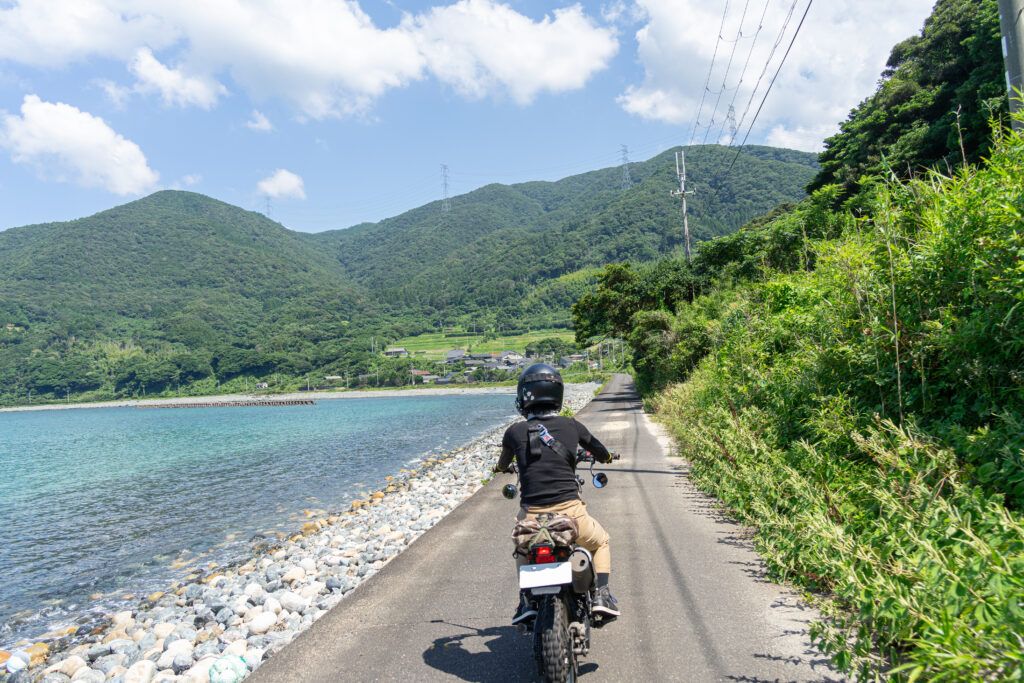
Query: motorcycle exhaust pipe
{"points": [[582, 570]]}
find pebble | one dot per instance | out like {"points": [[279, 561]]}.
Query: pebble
{"points": [[262, 623]]}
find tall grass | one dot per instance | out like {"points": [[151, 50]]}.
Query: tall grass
{"points": [[866, 416]]}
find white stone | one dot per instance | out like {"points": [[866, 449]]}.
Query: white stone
{"points": [[253, 589], [308, 564], [166, 660], [294, 574], [163, 630], [312, 590], [124, 618], [262, 623], [140, 672], [71, 665], [237, 648], [200, 671], [272, 605], [292, 602], [180, 646], [253, 612]]}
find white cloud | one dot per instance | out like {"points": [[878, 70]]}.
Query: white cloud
{"points": [[191, 179], [480, 46], [326, 57], [52, 33], [259, 122], [835, 63], [69, 145], [282, 183], [173, 84], [117, 94]]}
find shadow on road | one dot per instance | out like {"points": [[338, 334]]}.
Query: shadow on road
{"points": [[487, 655]]}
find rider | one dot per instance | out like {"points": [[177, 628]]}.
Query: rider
{"points": [[548, 481]]}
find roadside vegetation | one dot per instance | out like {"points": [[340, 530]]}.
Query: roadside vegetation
{"points": [[847, 374]]}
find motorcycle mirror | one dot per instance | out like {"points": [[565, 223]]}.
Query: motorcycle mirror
{"points": [[509, 491], [600, 480]]}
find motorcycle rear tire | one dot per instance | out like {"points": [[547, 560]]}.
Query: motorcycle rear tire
{"points": [[552, 642]]}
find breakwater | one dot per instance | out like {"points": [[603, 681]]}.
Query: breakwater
{"points": [[233, 404], [252, 607]]}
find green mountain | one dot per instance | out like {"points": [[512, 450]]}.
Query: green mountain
{"points": [[180, 289], [499, 243], [176, 275]]}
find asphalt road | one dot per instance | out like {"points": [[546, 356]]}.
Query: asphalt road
{"points": [[696, 605]]}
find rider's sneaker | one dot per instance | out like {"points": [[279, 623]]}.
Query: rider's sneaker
{"points": [[604, 604], [526, 611]]}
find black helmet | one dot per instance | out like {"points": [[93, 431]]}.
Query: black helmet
{"points": [[540, 386]]}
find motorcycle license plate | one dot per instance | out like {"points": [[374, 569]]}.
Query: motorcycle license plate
{"points": [[536, 575]]}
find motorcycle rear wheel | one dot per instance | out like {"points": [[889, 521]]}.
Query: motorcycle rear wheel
{"points": [[552, 642]]}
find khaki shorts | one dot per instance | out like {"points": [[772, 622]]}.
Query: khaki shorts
{"points": [[592, 536]]}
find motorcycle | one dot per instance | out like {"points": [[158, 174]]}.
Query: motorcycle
{"points": [[560, 579]]}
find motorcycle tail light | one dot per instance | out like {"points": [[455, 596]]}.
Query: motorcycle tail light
{"points": [[544, 555]]}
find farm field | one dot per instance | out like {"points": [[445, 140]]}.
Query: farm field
{"points": [[434, 345]]}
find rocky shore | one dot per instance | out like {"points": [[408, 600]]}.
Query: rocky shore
{"points": [[221, 622]]}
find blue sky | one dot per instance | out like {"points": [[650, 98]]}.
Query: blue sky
{"points": [[334, 113]]}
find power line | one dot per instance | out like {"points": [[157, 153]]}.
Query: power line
{"points": [[707, 81], [767, 63], [728, 68], [743, 73], [769, 89]]}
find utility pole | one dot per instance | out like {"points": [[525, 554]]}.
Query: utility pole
{"points": [[446, 203], [1011, 21], [682, 192]]}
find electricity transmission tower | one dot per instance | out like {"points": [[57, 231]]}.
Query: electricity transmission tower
{"points": [[266, 211], [627, 182], [682, 192], [446, 203]]}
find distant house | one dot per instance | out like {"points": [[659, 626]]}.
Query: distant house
{"points": [[481, 356], [262, 385], [430, 378], [396, 352], [511, 357], [420, 373], [333, 378], [455, 356]]}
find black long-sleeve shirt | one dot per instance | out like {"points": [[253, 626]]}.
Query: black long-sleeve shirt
{"points": [[547, 478]]}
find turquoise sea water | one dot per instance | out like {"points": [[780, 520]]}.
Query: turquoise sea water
{"points": [[104, 500]]}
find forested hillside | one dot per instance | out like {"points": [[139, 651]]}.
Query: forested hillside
{"points": [[170, 289], [485, 257], [846, 373], [180, 292]]}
